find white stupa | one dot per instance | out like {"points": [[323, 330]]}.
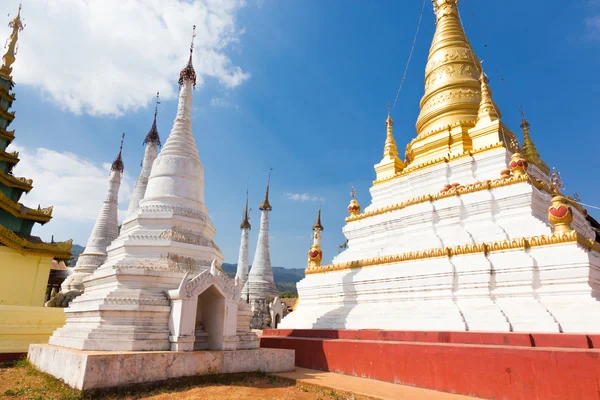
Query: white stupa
{"points": [[242, 266], [106, 229], [152, 142], [261, 283], [125, 304], [468, 232]]}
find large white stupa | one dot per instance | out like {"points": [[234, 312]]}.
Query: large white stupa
{"points": [[163, 243], [467, 233]]}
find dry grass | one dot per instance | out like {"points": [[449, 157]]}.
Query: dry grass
{"points": [[21, 381]]}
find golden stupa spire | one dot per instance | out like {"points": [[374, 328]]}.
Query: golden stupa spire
{"points": [[452, 87], [487, 108], [529, 151], [391, 163], [11, 45], [390, 150]]}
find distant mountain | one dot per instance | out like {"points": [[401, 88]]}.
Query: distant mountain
{"points": [[285, 278]]}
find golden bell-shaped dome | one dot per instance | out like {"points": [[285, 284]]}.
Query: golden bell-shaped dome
{"points": [[452, 87]]}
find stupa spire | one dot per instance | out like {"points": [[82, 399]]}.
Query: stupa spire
{"points": [[261, 284], [11, 45], [452, 87], [529, 150], [118, 165], [106, 229], [152, 142], [265, 205], [390, 163], [242, 266], [188, 73], [487, 109]]}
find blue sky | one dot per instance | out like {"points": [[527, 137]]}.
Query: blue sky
{"points": [[310, 102]]}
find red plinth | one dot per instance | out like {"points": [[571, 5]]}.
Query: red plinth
{"points": [[488, 365]]}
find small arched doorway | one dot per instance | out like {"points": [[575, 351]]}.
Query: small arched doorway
{"points": [[210, 320]]}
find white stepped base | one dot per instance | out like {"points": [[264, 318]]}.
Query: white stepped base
{"points": [[86, 370]]}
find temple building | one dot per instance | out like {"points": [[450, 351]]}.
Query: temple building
{"points": [[25, 260], [468, 232], [260, 290], [106, 229]]}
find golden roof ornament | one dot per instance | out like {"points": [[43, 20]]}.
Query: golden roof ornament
{"points": [[246, 221], [353, 207], [529, 150], [560, 214], [188, 73], [265, 205], [11, 44], [152, 136], [487, 108], [118, 165], [518, 165], [390, 150]]}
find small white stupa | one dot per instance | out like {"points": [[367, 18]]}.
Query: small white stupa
{"points": [[242, 266], [106, 229], [152, 142]]}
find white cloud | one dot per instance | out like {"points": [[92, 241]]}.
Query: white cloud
{"points": [[593, 26], [222, 102], [304, 197], [105, 57], [76, 187]]}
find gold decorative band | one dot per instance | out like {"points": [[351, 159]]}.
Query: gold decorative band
{"points": [[412, 168], [461, 190], [483, 248]]}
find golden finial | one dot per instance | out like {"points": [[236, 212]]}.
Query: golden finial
{"points": [[152, 136], [529, 150], [188, 72], [246, 221], [265, 205], [11, 44], [487, 108], [317, 226], [389, 149], [353, 207], [118, 165], [560, 215]]}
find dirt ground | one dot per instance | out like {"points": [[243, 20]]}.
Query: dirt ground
{"points": [[20, 381]]}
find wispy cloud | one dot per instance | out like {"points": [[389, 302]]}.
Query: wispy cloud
{"points": [[592, 25], [304, 197], [114, 55], [222, 102]]}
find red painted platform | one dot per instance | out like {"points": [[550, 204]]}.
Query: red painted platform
{"points": [[487, 365]]}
